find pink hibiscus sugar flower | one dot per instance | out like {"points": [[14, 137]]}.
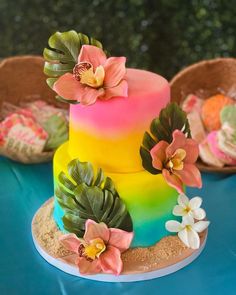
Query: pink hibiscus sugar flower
{"points": [[177, 161], [94, 77], [100, 249]]}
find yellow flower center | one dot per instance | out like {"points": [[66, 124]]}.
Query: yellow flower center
{"points": [[94, 248], [83, 72], [188, 227], [187, 209], [176, 161]]}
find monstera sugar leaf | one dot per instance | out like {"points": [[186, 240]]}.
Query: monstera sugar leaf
{"points": [[62, 54], [172, 117], [84, 195]]}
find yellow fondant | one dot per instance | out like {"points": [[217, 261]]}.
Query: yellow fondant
{"points": [[121, 152]]}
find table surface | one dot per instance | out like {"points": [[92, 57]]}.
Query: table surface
{"points": [[24, 188]]}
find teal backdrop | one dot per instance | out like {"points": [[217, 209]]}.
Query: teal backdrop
{"points": [[24, 188]]}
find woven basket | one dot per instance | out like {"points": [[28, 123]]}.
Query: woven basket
{"points": [[205, 79], [22, 80]]}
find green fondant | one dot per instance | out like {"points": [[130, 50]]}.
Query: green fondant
{"points": [[83, 195]]}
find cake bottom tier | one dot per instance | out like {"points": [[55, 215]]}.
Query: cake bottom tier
{"points": [[139, 264], [149, 200]]}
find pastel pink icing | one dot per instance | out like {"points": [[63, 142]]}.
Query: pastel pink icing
{"points": [[120, 121], [147, 94]]}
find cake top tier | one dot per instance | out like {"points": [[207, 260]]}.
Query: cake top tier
{"points": [[110, 133], [111, 106], [148, 93], [120, 119], [142, 83]]}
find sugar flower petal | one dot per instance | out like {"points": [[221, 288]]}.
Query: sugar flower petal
{"points": [[120, 239], [192, 151], [93, 55], [199, 214], [179, 141], [200, 226], [176, 160], [71, 242], [183, 200], [193, 239], [179, 211], [94, 77], [190, 175], [189, 207], [70, 259], [121, 90], [158, 154], [91, 95], [99, 75], [173, 180], [69, 88], [115, 71], [183, 235], [99, 250], [173, 226], [187, 220], [188, 229], [88, 267], [94, 230], [195, 203], [111, 261]]}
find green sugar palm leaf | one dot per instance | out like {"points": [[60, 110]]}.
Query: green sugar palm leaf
{"points": [[84, 194], [171, 118], [162, 128], [62, 54]]}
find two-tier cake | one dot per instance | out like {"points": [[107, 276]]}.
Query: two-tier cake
{"points": [[119, 211]]}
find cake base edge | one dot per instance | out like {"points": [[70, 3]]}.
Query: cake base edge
{"points": [[171, 265]]}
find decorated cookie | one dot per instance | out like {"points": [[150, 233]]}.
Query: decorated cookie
{"points": [[192, 103], [43, 111], [213, 142], [228, 115], [22, 135], [207, 156], [227, 140], [33, 128], [57, 128], [211, 109], [197, 129]]}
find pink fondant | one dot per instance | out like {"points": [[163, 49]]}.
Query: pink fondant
{"points": [[148, 93]]}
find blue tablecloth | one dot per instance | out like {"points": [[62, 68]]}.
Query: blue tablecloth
{"points": [[24, 188]]}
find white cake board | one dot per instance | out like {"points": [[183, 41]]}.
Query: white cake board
{"points": [[135, 277]]}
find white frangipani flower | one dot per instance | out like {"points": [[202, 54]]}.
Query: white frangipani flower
{"points": [[190, 208], [188, 230]]}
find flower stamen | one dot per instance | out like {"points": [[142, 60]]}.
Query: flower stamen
{"points": [[84, 73], [176, 161], [94, 249]]}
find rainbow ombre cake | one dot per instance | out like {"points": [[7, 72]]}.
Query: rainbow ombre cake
{"points": [[109, 134], [119, 180]]}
